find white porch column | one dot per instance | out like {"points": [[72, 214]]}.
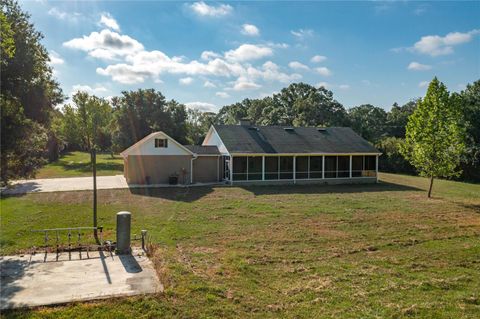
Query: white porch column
{"points": [[350, 166], [376, 167], [294, 168], [263, 168], [231, 170], [323, 166]]}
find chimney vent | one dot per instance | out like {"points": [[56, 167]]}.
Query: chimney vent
{"points": [[244, 122]]}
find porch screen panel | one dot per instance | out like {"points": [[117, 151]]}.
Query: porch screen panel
{"points": [[301, 167], [370, 165], [315, 167], [343, 168], [271, 167], [239, 168], [357, 165], [254, 168], [330, 166], [286, 167]]}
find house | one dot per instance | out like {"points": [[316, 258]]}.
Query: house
{"points": [[246, 153]]}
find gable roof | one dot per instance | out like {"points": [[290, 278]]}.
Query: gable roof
{"points": [[203, 149], [147, 138], [278, 140]]}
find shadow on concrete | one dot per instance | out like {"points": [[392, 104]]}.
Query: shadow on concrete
{"points": [[21, 189], [10, 272], [130, 263], [105, 268]]}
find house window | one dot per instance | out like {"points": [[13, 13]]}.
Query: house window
{"points": [[254, 168], [330, 166], [315, 167], [357, 166], [286, 167], [161, 142], [240, 168], [343, 166]]}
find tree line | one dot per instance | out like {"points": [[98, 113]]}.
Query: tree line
{"points": [[35, 131]]}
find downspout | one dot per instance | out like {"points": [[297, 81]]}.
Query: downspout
{"points": [[194, 157]]}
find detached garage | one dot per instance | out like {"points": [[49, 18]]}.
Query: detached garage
{"points": [[158, 157]]}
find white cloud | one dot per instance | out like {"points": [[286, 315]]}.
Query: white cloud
{"points": [[55, 58], [209, 55], [204, 10], [248, 52], [86, 88], [243, 83], [107, 20], [63, 15], [298, 66], [302, 34], [318, 58], [436, 45], [202, 106], [423, 84], [271, 72], [277, 45], [222, 95], [106, 45], [323, 71], [186, 81], [415, 66], [250, 29], [209, 84], [344, 86]]}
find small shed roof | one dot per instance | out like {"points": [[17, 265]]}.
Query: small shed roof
{"points": [[203, 149]]}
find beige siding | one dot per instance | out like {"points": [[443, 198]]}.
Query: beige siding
{"points": [[157, 168], [205, 169]]}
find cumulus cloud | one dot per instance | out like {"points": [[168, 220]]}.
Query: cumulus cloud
{"points": [[209, 55], [318, 58], [63, 15], [298, 66], [243, 83], [106, 45], [248, 52], [415, 66], [344, 86], [205, 10], [186, 81], [250, 29], [209, 84], [302, 34], [55, 58], [108, 21], [323, 71], [222, 95], [436, 45], [86, 88], [423, 84], [202, 106]]}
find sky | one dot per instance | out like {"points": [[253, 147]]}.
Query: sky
{"points": [[210, 54]]}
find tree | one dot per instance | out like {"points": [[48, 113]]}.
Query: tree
{"points": [[434, 140], [397, 118], [28, 94], [368, 121], [198, 124]]}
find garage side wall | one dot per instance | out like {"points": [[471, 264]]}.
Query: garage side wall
{"points": [[205, 169], [153, 169]]}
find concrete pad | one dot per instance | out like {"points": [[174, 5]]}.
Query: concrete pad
{"points": [[38, 280]]}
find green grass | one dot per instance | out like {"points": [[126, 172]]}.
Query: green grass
{"points": [[359, 251], [77, 164]]}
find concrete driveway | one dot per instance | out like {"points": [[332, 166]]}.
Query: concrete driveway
{"points": [[65, 184]]}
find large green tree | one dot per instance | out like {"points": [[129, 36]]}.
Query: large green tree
{"points": [[28, 94], [368, 121], [435, 136]]}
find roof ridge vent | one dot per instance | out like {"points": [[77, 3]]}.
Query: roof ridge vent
{"points": [[321, 129], [289, 129], [254, 128]]}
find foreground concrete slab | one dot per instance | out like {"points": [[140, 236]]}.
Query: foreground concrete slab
{"points": [[41, 279]]}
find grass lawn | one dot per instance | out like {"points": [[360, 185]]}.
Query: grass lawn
{"points": [[348, 251], [77, 164]]}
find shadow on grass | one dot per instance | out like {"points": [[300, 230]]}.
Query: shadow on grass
{"points": [[191, 194], [87, 167]]}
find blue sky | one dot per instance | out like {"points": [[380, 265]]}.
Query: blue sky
{"points": [[210, 54]]}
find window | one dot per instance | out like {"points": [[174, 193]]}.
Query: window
{"points": [[330, 166], [161, 142], [271, 167], [301, 167], [254, 168], [315, 167], [239, 168], [286, 167], [343, 166]]}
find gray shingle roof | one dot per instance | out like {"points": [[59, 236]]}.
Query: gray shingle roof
{"points": [[203, 150], [275, 139]]}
